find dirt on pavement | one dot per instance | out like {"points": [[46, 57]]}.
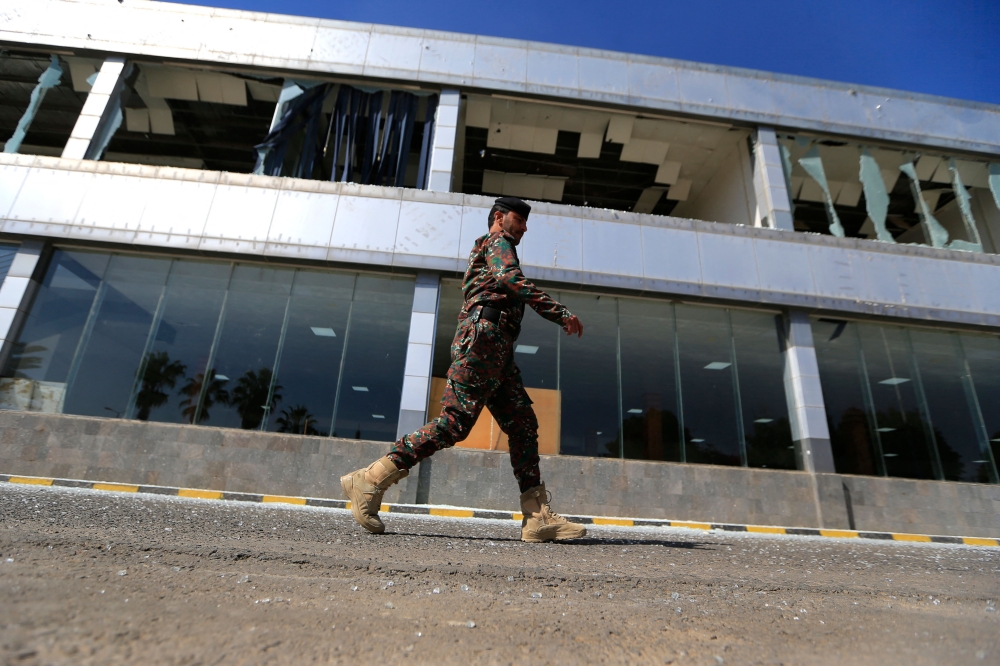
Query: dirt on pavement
{"points": [[89, 577]]}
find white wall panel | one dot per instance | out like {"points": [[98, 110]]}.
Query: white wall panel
{"points": [[448, 57], [552, 69], [500, 63], [670, 254], [161, 30], [366, 223], [603, 74], [49, 195], [114, 202], [242, 213], [838, 273], [303, 218], [429, 229], [553, 241], [610, 247], [649, 81], [701, 87], [12, 178], [345, 48], [728, 261], [176, 209], [389, 51], [784, 267]]}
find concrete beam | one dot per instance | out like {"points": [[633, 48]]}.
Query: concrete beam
{"points": [[18, 291], [773, 198], [443, 146], [101, 114]]}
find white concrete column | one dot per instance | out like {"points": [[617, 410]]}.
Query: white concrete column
{"points": [[443, 145], [419, 355], [773, 200], [806, 408], [18, 292], [100, 114]]}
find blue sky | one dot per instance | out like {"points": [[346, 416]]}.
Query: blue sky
{"points": [[939, 47]]}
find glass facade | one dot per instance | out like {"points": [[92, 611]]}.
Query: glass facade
{"points": [[653, 380], [910, 402], [214, 343]]}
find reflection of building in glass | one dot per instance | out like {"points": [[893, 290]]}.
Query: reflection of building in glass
{"points": [[268, 236]]}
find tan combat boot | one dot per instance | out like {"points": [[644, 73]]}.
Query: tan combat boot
{"points": [[364, 489], [541, 523]]}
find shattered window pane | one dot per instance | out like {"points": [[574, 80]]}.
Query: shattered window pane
{"points": [[891, 194]]}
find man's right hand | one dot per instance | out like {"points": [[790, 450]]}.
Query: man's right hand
{"points": [[573, 325]]}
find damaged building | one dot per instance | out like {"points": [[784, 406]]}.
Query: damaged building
{"points": [[233, 243]]}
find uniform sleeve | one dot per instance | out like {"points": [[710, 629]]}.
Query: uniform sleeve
{"points": [[504, 267]]}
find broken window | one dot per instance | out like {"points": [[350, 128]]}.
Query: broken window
{"points": [[231, 121], [605, 159], [41, 96], [892, 195]]}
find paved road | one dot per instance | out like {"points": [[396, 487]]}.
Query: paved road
{"points": [[90, 577]]}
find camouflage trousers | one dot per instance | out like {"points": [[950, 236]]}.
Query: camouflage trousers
{"points": [[482, 373]]}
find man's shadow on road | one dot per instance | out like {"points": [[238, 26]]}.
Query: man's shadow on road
{"points": [[585, 541]]}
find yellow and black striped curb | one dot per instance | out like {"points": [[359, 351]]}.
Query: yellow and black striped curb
{"points": [[487, 513]]}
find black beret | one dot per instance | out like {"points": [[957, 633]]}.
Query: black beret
{"points": [[514, 204]]}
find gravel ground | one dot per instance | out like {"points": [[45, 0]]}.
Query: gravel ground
{"points": [[89, 577]]}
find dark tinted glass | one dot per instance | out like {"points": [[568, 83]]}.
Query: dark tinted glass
{"points": [[650, 427], [368, 405], [711, 431], [760, 368], [103, 371], [589, 379], [311, 352]]}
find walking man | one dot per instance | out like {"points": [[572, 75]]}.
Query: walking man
{"points": [[482, 373]]}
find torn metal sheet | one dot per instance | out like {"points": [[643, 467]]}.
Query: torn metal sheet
{"points": [[648, 199], [938, 235], [668, 173], [994, 180], [962, 195], [786, 163], [620, 129], [160, 116], [813, 165], [876, 197], [50, 78], [680, 190]]}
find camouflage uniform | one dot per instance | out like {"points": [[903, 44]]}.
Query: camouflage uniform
{"points": [[482, 369]]}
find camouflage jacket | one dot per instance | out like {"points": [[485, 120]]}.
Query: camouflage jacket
{"points": [[494, 278]]}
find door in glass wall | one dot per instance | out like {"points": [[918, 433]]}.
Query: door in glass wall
{"points": [[182, 341], [238, 390], [650, 406], [591, 418], [712, 432], [372, 381], [909, 402], [179, 343], [41, 358], [312, 352], [906, 436], [760, 370], [102, 373], [982, 357], [854, 441]]}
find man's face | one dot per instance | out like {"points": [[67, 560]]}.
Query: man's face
{"points": [[515, 225]]}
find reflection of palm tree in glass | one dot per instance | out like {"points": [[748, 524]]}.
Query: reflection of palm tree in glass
{"points": [[161, 375], [249, 397], [215, 393], [298, 420]]}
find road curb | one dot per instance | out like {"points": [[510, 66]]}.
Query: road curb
{"points": [[448, 512]]}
